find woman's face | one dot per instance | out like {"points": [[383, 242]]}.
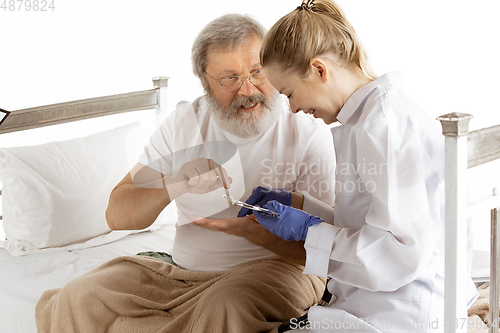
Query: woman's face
{"points": [[310, 94], [323, 92]]}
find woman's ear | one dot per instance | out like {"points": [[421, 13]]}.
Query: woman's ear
{"points": [[319, 69]]}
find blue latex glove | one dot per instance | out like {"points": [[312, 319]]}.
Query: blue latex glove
{"points": [[262, 195], [292, 223]]}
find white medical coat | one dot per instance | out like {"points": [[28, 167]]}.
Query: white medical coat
{"points": [[384, 248]]}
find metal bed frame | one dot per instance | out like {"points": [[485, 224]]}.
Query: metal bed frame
{"points": [[60, 113], [465, 150]]}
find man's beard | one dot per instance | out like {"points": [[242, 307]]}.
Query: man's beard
{"points": [[245, 124]]}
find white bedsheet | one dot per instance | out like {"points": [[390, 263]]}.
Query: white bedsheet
{"points": [[24, 279]]}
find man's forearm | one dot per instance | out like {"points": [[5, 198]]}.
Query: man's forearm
{"points": [[143, 193], [297, 200], [290, 250], [249, 228], [132, 207]]}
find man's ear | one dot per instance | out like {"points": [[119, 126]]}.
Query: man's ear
{"points": [[319, 69], [201, 81]]}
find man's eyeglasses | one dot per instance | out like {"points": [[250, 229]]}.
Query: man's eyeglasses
{"points": [[234, 82]]}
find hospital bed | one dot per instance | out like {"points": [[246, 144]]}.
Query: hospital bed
{"points": [[465, 150], [44, 252], [54, 197]]}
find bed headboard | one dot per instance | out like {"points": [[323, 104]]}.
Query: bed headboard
{"points": [[464, 150], [66, 112], [47, 115]]}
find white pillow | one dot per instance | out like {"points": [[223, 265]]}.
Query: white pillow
{"points": [[56, 194]]}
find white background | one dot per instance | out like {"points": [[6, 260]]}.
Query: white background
{"points": [[448, 49]]}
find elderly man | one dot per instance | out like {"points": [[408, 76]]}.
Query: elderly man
{"points": [[226, 273]]}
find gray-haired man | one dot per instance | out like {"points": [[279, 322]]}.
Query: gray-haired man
{"points": [[229, 273]]}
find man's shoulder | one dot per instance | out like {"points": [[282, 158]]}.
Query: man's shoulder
{"points": [[199, 105], [186, 115], [185, 111]]}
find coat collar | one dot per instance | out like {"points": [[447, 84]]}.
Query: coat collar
{"points": [[353, 103]]}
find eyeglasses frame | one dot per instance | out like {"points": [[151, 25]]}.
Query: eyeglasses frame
{"points": [[249, 77]]}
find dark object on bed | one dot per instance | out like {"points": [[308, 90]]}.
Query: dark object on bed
{"points": [[3, 115]]}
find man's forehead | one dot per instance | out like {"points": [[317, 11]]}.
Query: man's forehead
{"points": [[229, 59], [229, 70], [235, 45]]}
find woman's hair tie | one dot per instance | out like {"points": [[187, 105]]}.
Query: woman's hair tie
{"points": [[307, 5]]}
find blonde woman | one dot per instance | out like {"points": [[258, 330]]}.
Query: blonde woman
{"points": [[381, 246]]}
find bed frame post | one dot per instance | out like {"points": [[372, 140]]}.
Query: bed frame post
{"points": [[494, 272], [455, 130], [161, 84]]}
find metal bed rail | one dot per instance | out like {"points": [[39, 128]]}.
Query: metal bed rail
{"points": [[464, 150], [66, 112], [60, 113]]}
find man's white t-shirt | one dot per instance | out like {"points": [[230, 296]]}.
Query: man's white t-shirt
{"points": [[295, 153]]}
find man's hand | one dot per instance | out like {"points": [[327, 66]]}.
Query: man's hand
{"points": [[246, 227], [249, 228], [198, 176]]}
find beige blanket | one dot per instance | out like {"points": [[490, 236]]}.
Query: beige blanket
{"points": [[141, 294], [479, 311]]}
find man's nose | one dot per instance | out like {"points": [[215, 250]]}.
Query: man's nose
{"points": [[247, 88]]}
